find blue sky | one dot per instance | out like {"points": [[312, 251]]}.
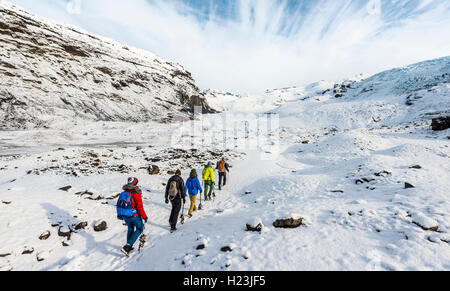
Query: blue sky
{"points": [[247, 46]]}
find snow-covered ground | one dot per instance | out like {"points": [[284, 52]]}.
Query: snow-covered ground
{"points": [[355, 160], [341, 164]]}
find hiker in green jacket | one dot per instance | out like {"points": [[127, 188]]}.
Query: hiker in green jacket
{"points": [[208, 179]]}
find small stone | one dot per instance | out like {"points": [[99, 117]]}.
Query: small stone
{"points": [[66, 188], [64, 232], [66, 243], [226, 249], [28, 251], [101, 227], [45, 235], [417, 167], [153, 170], [201, 247], [409, 186], [257, 228], [81, 225]]}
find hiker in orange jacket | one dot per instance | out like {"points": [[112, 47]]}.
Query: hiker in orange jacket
{"points": [[223, 168]]}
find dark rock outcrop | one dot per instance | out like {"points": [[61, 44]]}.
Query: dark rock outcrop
{"points": [[440, 123]]}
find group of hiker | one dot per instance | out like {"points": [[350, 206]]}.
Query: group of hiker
{"points": [[130, 207]]}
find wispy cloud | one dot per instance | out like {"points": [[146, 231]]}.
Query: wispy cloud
{"points": [[252, 45]]}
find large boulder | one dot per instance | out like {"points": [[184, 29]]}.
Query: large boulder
{"points": [[288, 223], [440, 123]]}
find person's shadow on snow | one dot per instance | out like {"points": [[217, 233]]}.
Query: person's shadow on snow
{"points": [[63, 218]]}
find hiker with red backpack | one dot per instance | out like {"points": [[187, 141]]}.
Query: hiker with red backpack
{"points": [[130, 209], [223, 168], [175, 192]]}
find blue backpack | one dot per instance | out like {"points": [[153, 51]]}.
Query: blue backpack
{"points": [[123, 207]]}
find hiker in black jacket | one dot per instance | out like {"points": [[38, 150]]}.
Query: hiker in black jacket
{"points": [[176, 194]]}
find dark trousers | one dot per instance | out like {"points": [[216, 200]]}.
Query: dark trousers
{"points": [[176, 207], [135, 228], [222, 177]]}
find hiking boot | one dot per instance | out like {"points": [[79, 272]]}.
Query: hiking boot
{"points": [[127, 249], [190, 215], [173, 228]]}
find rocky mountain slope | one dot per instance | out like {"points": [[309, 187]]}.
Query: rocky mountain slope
{"points": [[50, 73]]}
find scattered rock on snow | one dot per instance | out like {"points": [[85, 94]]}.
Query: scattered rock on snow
{"points": [[42, 256], [201, 247], [337, 191], [113, 197], [66, 188], [66, 243], [101, 227], [408, 185], [81, 225], [6, 202], [383, 174], [424, 222], [28, 251], [288, 223], [255, 225], [153, 170], [5, 255], [64, 232], [226, 249], [417, 167], [257, 228], [45, 235]]}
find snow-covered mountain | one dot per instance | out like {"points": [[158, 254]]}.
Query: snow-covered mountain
{"points": [[52, 73], [421, 89], [416, 93]]}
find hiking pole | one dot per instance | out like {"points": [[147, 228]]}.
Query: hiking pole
{"points": [[142, 240], [200, 205], [182, 215]]}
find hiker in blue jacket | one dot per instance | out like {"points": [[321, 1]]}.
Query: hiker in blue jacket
{"points": [[192, 188]]}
